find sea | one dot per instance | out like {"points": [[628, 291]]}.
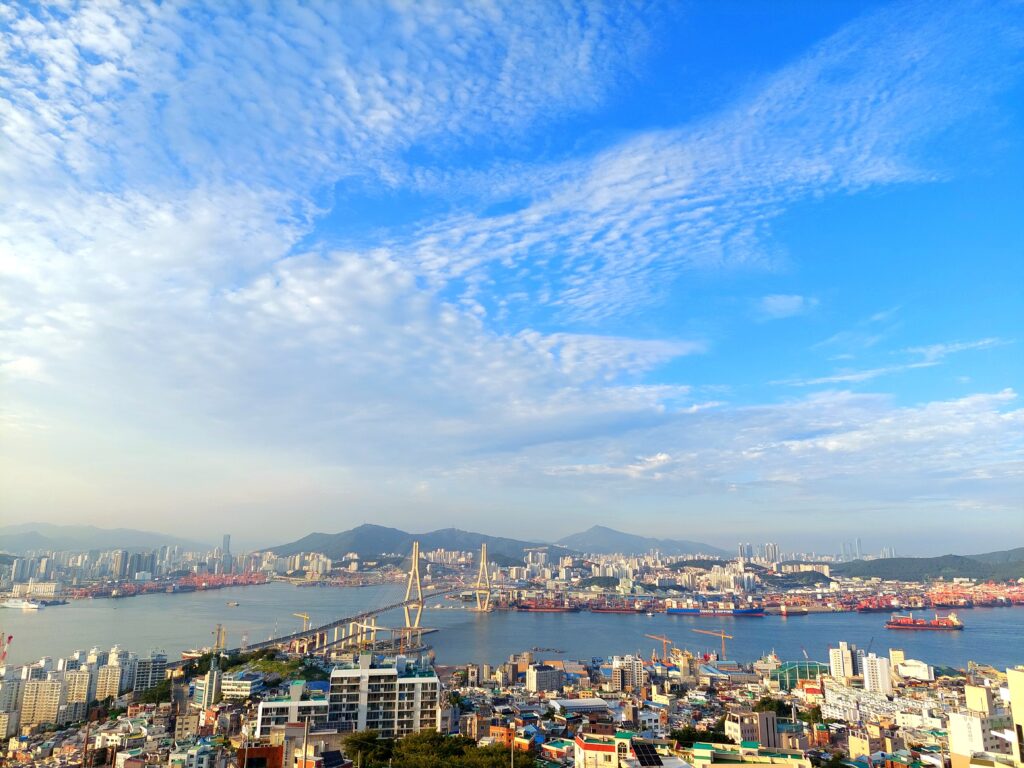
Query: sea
{"points": [[178, 622]]}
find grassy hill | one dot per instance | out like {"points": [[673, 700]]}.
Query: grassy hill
{"points": [[994, 566]]}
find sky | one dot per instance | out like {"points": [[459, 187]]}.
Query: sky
{"points": [[724, 271]]}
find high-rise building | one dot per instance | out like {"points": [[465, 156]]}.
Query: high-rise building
{"points": [[771, 552], [844, 661], [628, 673], [393, 699], [81, 685], [108, 682], [877, 674], [149, 672], [42, 701], [208, 689], [119, 564]]}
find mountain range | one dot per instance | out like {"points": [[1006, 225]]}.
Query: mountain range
{"points": [[997, 566], [24, 537], [369, 541], [600, 540]]}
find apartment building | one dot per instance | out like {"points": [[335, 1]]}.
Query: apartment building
{"points": [[394, 698], [150, 671], [42, 701], [108, 682]]}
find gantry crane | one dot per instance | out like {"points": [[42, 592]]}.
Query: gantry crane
{"points": [[665, 643], [305, 620], [719, 634]]}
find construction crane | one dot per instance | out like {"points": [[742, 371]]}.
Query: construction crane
{"points": [[220, 638], [718, 633], [305, 620], [665, 643]]}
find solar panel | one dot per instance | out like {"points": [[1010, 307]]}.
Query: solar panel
{"points": [[646, 754]]}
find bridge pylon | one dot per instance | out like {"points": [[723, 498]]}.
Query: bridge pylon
{"points": [[483, 582], [414, 591]]}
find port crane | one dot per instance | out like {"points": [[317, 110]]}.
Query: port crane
{"points": [[665, 643], [305, 620], [719, 633]]}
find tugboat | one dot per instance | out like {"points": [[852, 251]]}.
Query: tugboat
{"points": [[942, 623]]}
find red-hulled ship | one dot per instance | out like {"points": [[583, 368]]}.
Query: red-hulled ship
{"points": [[546, 606], [948, 622]]}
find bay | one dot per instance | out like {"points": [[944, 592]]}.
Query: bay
{"points": [[175, 623]]}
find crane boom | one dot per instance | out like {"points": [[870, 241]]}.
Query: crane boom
{"points": [[720, 634], [665, 643]]}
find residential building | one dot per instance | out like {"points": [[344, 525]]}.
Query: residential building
{"points": [[42, 701], [542, 677], [108, 682], [877, 674], [844, 661], [394, 698], [745, 725], [240, 686], [871, 738], [628, 673], [150, 671]]}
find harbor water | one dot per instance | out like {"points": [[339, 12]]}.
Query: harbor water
{"points": [[178, 622]]}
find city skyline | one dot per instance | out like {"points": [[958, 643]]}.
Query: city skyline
{"points": [[727, 272]]}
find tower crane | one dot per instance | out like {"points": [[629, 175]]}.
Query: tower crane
{"points": [[305, 620], [220, 638], [665, 643], [718, 633]]}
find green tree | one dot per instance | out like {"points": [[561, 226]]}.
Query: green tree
{"points": [[368, 749], [688, 736], [810, 715], [769, 704]]}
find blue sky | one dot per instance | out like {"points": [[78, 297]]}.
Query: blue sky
{"points": [[718, 270]]}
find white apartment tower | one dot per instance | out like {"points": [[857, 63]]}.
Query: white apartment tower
{"points": [[877, 674]]}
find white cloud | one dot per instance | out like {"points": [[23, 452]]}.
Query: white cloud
{"points": [[927, 357], [780, 305], [168, 305]]}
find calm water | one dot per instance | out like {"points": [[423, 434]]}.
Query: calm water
{"points": [[178, 622]]}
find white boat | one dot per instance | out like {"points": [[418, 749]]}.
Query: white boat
{"points": [[25, 605]]}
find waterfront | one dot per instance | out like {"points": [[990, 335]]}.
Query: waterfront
{"points": [[178, 622]]}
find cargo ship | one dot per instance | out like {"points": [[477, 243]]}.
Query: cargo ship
{"points": [[617, 608], [879, 604], [907, 621], [546, 606], [712, 608]]}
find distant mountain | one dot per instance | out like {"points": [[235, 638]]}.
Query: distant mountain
{"points": [[1003, 556], [79, 538], [600, 540], [997, 566], [369, 541]]}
